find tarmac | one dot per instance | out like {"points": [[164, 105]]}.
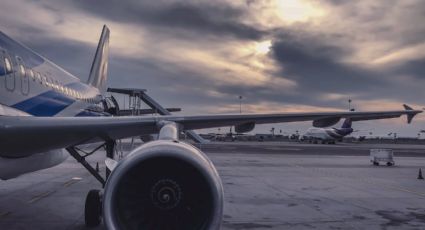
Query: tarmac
{"points": [[267, 185]]}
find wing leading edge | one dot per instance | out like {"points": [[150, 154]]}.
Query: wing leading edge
{"points": [[22, 136]]}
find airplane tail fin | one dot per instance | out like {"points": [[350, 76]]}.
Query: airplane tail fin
{"points": [[99, 68], [346, 124]]}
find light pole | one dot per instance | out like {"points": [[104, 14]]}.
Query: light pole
{"points": [[240, 104], [349, 104]]}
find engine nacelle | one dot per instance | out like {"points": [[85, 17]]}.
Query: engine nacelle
{"points": [[164, 185], [245, 127], [326, 122]]}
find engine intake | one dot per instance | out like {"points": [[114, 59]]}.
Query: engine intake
{"points": [[164, 185]]}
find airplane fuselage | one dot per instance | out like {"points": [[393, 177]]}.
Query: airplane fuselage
{"points": [[31, 85], [326, 134]]}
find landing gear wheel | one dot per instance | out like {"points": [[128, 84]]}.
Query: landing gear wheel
{"points": [[93, 208]]}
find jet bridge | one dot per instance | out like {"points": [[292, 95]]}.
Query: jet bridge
{"points": [[136, 97]]}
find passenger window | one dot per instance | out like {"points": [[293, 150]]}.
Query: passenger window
{"points": [[45, 81], [39, 78], [55, 85], [52, 84], [8, 65]]}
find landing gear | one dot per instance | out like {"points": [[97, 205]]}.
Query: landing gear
{"points": [[93, 209], [93, 206]]}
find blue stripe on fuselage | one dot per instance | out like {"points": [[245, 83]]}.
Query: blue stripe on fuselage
{"points": [[2, 70], [46, 104]]}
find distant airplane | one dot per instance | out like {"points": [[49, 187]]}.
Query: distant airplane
{"points": [[327, 135], [46, 113]]}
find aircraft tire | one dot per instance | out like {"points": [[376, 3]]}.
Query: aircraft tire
{"points": [[93, 208]]}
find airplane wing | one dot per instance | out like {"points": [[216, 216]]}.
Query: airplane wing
{"points": [[21, 136]]}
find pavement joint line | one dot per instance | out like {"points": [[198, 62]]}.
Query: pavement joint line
{"points": [[40, 196]]}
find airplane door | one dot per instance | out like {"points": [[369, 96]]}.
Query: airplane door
{"points": [[9, 78], [23, 75]]}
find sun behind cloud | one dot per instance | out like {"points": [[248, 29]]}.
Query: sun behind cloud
{"points": [[263, 47], [290, 11]]}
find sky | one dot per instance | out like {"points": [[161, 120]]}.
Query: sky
{"points": [[279, 55]]}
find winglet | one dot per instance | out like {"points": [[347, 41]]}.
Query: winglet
{"points": [[409, 115], [406, 107]]}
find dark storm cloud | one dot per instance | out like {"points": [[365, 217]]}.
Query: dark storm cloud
{"points": [[399, 21], [319, 69], [304, 57], [74, 56], [202, 18], [415, 68], [162, 79]]}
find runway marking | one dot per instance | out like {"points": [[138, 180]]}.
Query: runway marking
{"points": [[406, 190], [286, 149], [72, 181], [40, 196], [4, 214]]}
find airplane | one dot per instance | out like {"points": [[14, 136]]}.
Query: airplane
{"points": [[46, 113], [327, 135]]}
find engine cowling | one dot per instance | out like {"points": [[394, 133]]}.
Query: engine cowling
{"points": [[245, 127], [164, 185], [326, 122]]}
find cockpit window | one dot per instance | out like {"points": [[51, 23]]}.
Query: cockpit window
{"points": [[8, 65]]}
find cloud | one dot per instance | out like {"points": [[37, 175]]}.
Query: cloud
{"points": [[207, 18], [200, 55]]}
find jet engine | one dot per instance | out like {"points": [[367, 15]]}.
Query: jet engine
{"points": [[164, 184]]}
